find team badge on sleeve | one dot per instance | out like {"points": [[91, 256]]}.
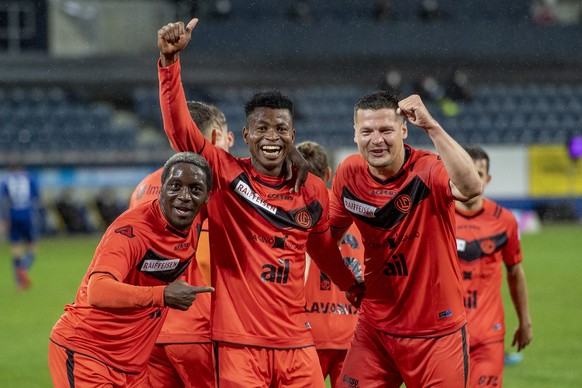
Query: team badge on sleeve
{"points": [[127, 231]]}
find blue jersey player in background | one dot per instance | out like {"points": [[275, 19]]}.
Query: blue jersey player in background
{"points": [[20, 201]]}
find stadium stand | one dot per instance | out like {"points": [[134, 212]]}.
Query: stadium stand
{"points": [[499, 114], [96, 105], [47, 120]]}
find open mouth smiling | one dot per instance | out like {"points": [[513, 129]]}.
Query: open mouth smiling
{"points": [[271, 150]]}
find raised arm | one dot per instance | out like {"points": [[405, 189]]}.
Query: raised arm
{"points": [[465, 182], [181, 130]]}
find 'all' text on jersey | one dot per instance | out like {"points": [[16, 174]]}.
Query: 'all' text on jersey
{"points": [[275, 273]]}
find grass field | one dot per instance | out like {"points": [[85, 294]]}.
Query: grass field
{"points": [[552, 260]]}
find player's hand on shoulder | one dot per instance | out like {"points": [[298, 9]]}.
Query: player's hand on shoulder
{"points": [[174, 37], [296, 166], [180, 295]]}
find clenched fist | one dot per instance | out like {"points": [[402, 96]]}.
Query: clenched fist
{"points": [[173, 38]]}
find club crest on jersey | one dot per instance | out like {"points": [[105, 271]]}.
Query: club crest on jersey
{"points": [[324, 282], [488, 246], [403, 203], [127, 231], [351, 382], [303, 218]]}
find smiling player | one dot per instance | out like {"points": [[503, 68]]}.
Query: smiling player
{"points": [[260, 229]]}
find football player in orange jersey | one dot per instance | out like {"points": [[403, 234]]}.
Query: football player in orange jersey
{"points": [[411, 324], [331, 316], [260, 227], [106, 336], [183, 354], [487, 237]]}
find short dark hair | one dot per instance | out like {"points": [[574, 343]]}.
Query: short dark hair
{"points": [[203, 115], [268, 99], [379, 99], [190, 158], [478, 153], [315, 156]]}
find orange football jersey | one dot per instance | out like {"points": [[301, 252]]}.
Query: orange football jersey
{"points": [[258, 233], [486, 239], [139, 248], [192, 325], [331, 316], [408, 230]]}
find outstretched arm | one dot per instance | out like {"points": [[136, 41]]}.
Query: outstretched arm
{"points": [[104, 291], [518, 291], [465, 182]]}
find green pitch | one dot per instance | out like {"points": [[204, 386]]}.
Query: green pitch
{"points": [[552, 260]]}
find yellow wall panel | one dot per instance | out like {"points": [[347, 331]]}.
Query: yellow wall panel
{"points": [[553, 172]]}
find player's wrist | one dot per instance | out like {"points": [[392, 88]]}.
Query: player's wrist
{"points": [[168, 59], [433, 127], [525, 324]]}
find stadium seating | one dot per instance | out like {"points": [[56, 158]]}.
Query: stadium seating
{"points": [[47, 120], [529, 113], [500, 113], [362, 10]]}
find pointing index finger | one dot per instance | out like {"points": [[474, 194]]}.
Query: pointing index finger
{"points": [[199, 290]]}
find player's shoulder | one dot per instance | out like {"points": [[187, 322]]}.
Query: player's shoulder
{"points": [[424, 163], [498, 210], [314, 180], [230, 165], [315, 185], [351, 164], [353, 160], [154, 175], [140, 218]]}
